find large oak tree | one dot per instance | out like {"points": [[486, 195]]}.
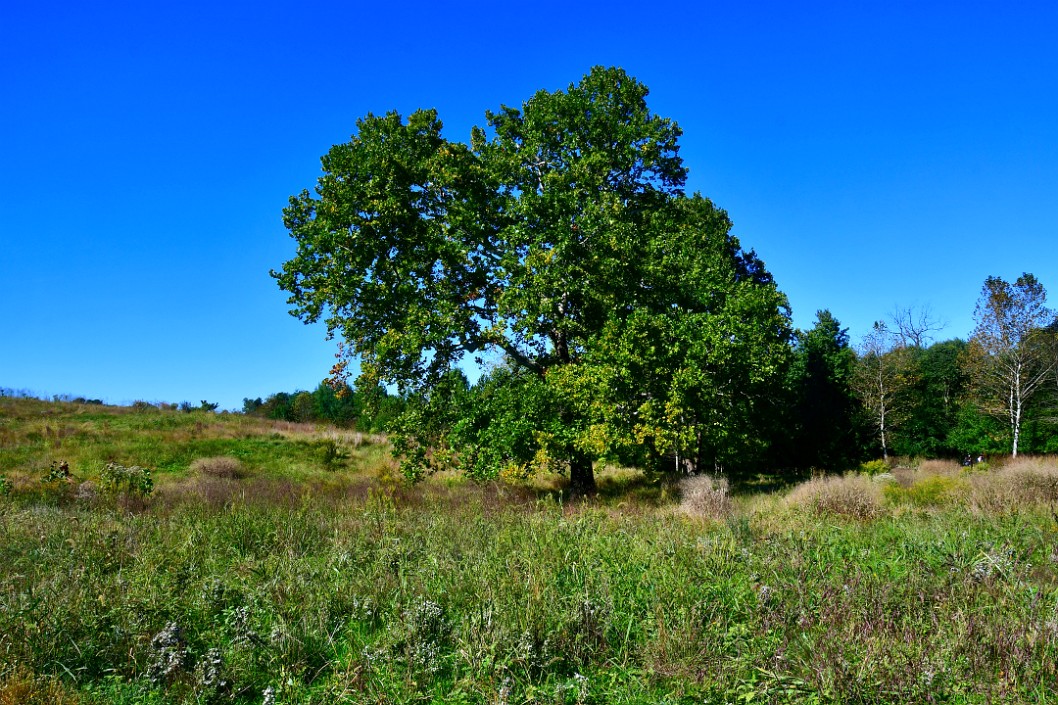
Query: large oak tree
{"points": [[560, 238]]}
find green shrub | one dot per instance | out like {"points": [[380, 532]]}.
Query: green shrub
{"points": [[332, 455], [130, 481], [58, 472], [58, 483], [874, 467], [932, 491], [5, 486]]}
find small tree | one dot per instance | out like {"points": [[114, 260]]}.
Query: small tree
{"points": [[1011, 352], [880, 374]]}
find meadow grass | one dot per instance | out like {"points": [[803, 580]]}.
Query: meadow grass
{"points": [[342, 584], [34, 434]]}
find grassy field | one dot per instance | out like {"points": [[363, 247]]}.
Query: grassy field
{"points": [[282, 564]]}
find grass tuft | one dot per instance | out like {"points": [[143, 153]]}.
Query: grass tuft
{"points": [[852, 496], [705, 496], [1023, 483], [23, 688], [221, 467]]}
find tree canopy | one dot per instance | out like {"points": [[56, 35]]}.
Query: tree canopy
{"points": [[560, 248], [824, 427]]}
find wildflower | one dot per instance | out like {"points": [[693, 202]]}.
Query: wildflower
{"points": [[427, 621], [170, 654], [505, 692], [581, 683], [209, 670], [764, 594]]}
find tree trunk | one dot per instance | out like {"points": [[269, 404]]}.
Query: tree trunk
{"points": [[581, 474], [885, 447], [1015, 408]]}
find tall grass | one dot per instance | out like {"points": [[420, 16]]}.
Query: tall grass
{"points": [[329, 592], [333, 586], [854, 496]]}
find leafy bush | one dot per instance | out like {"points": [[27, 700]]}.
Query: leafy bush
{"points": [[331, 453], [874, 467], [58, 472], [132, 481], [5, 486], [58, 482], [931, 491]]}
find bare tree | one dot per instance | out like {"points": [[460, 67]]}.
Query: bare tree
{"points": [[1011, 347], [913, 326]]}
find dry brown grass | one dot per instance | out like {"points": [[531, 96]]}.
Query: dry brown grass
{"points": [[222, 467], [705, 496], [22, 688], [939, 467], [908, 474], [853, 496], [352, 439], [1025, 482]]}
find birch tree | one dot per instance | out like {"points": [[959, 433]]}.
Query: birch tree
{"points": [[1011, 348], [879, 376]]}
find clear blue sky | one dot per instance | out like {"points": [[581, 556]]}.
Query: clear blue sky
{"points": [[875, 154]]}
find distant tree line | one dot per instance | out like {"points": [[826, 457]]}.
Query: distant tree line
{"points": [[341, 405], [29, 394], [849, 404], [994, 393]]}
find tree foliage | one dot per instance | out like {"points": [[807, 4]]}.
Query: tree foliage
{"points": [[825, 426], [933, 401], [560, 246]]}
